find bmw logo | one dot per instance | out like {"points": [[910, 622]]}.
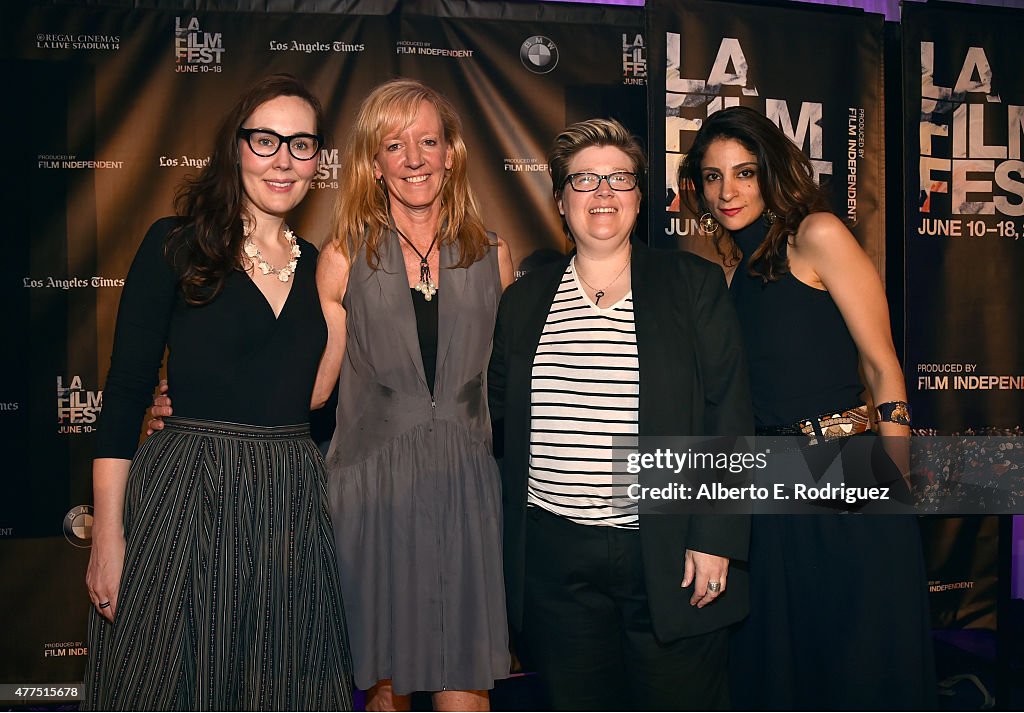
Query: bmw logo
{"points": [[539, 54], [78, 526]]}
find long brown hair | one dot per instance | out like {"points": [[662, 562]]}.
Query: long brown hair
{"points": [[207, 245], [784, 176], [361, 217]]}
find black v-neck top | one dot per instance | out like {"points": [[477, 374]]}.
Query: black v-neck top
{"points": [[228, 360], [426, 331]]}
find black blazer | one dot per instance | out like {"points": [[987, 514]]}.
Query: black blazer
{"points": [[693, 381]]}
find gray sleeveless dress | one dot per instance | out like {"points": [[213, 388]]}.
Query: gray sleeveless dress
{"points": [[414, 491]]}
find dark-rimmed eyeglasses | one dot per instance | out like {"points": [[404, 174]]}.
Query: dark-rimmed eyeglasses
{"points": [[587, 182], [265, 143]]}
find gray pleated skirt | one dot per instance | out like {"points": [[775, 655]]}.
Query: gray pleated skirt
{"points": [[419, 546], [229, 599]]}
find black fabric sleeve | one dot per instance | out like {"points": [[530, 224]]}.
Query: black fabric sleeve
{"points": [[728, 410], [143, 320], [497, 377]]}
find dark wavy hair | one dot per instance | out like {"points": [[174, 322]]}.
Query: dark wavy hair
{"points": [[784, 175], [206, 245]]}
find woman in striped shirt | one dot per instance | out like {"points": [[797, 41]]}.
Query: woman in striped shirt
{"points": [[614, 609]]}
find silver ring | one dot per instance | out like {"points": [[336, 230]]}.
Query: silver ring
{"points": [[714, 586], [104, 605]]}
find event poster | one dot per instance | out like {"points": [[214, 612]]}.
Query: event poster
{"points": [[815, 72], [964, 211], [964, 219]]}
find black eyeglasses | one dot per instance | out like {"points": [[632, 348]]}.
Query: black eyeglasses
{"points": [[265, 143], [587, 182]]}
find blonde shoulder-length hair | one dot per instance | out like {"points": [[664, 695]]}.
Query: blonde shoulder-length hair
{"points": [[361, 217]]}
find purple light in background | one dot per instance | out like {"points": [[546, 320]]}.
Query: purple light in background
{"points": [[889, 8]]}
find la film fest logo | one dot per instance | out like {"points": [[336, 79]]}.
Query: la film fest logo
{"points": [[77, 41], [327, 169], [78, 526], [967, 165], [634, 59], [539, 54], [77, 407], [194, 50], [689, 101]]}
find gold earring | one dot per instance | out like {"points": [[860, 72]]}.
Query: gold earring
{"points": [[707, 224], [770, 217]]}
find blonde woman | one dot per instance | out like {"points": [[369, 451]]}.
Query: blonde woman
{"points": [[410, 286]]}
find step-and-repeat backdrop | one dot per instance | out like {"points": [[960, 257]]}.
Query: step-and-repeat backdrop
{"points": [[112, 107]]}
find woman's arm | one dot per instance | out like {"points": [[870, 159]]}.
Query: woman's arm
{"points": [[143, 319], [505, 268], [497, 376], [826, 253], [712, 541], [106, 561], [332, 271], [140, 337]]}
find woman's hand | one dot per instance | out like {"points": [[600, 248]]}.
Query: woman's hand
{"points": [[103, 578], [332, 270], [161, 408], [707, 573]]}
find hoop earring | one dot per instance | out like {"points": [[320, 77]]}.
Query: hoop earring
{"points": [[770, 217], [707, 224]]}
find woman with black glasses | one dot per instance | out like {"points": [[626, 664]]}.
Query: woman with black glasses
{"points": [[213, 573]]}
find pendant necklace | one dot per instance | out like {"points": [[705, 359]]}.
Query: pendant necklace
{"points": [[426, 286], [598, 294]]}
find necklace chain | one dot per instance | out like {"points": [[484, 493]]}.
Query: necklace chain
{"points": [[426, 286], [598, 294], [283, 273]]}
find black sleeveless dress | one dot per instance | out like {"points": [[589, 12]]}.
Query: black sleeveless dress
{"points": [[838, 602]]}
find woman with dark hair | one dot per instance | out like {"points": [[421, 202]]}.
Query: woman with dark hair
{"points": [[839, 616], [410, 285], [616, 609], [213, 573]]}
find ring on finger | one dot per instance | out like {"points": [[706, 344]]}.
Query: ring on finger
{"points": [[104, 605], [714, 587]]}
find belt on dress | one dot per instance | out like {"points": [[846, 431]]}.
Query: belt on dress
{"points": [[827, 427]]}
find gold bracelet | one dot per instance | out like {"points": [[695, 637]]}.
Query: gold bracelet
{"points": [[894, 412]]}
